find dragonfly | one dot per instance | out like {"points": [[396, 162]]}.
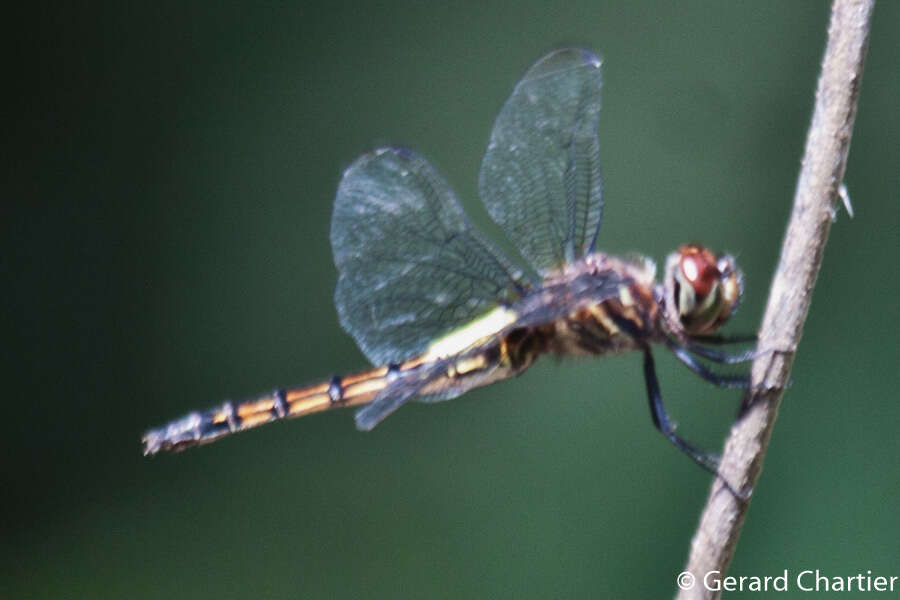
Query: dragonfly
{"points": [[440, 309]]}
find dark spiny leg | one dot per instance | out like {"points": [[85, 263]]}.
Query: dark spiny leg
{"points": [[724, 339], [708, 461], [736, 381], [719, 357]]}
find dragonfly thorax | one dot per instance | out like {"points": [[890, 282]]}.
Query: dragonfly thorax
{"points": [[701, 290], [606, 305]]}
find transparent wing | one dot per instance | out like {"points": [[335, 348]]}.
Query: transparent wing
{"points": [[538, 307], [411, 266], [540, 178]]}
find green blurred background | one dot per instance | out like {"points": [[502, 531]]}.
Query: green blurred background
{"points": [[171, 169]]}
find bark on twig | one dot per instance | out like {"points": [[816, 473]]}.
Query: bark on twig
{"points": [[821, 174]]}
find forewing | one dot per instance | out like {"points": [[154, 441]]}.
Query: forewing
{"points": [[540, 178], [410, 265]]}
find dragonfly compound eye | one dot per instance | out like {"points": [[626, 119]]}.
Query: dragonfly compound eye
{"points": [[699, 270], [706, 288]]}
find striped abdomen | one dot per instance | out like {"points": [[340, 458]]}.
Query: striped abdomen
{"points": [[493, 363]]}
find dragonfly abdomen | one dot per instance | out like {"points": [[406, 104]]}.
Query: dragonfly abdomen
{"points": [[459, 375], [200, 428]]}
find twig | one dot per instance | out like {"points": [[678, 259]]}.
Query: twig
{"points": [[821, 174]]}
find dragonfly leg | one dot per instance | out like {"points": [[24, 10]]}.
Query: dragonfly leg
{"points": [[707, 460], [731, 381], [719, 357], [722, 340]]}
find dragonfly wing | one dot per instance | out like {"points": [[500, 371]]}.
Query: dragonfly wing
{"points": [[382, 407], [540, 178], [536, 308], [405, 388], [411, 266]]}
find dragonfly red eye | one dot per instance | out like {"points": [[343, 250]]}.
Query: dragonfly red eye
{"points": [[698, 265]]}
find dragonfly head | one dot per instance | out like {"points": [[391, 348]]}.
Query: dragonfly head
{"points": [[701, 290]]}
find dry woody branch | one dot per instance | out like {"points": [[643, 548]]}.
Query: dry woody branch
{"points": [[815, 202]]}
